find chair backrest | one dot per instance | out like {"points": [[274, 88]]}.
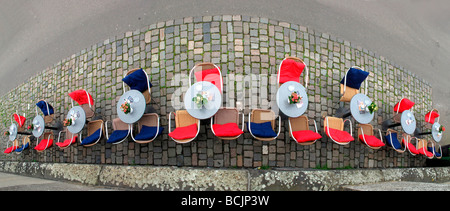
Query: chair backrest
{"points": [[306, 78], [347, 91], [146, 93], [183, 119], [334, 122], [367, 129], [48, 135], [226, 115], [150, 120], [263, 115], [119, 124], [93, 126], [348, 94], [202, 74], [299, 123]]}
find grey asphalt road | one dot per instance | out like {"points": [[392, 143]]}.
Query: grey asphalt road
{"points": [[415, 34], [13, 182]]}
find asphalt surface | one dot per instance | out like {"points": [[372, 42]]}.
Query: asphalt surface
{"points": [[414, 34], [12, 182]]}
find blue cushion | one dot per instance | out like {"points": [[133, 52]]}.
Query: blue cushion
{"points": [[395, 142], [92, 138], [20, 149], [117, 135], [43, 107], [433, 150], [147, 133], [137, 80], [263, 130], [355, 77]]}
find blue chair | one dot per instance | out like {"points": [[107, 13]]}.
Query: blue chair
{"points": [[148, 129], [121, 131], [392, 141]]}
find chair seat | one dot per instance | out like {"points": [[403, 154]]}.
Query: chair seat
{"points": [[432, 149], [425, 152], [405, 104], [19, 119], [44, 144], [117, 135], [395, 143], [263, 130], [302, 136], [227, 130], [67, 142], [371, 140], [92, 138], [148, 132], [290, 70], [10, 149], [23, 147], [339, 135], [186, 132]]}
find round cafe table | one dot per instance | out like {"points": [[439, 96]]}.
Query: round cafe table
{"points": [[408, 122], [137, 104], [38, 126], [13, 132], [207, 90], [78, 119], [359, 108], [284, 91], [435, 132]]}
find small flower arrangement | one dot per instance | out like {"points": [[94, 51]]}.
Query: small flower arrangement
{"points": [[200, 100], [372, 107], [126, 107], [294, 98], [441, 129], [67, 122], [30, 127], [6, 133]]}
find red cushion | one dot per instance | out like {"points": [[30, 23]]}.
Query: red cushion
{"points": [[210, 75], [411, 147], [10, 149], [290, 70], [67, 142], [305, 136], [371, 140], [405, 104], [22, 120], [41, 146], [227, 130], [426, 153], [187, 132], [339, 135], [431, 116], [81, 97]]}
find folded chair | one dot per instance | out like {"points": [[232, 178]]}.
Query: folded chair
{"points": [[422, 145], [121, 131], [69, 139], [300, 132], [186, 127], [15, 146], [430, 118], [137, 79], [392, 141], [148, 129], [207, 72], [95, 132], [351, 83], [25, 144], [334, 128], [261, 124], [45, 143], [224, 124], [366, 136], [290, 69], [85, 100]]}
